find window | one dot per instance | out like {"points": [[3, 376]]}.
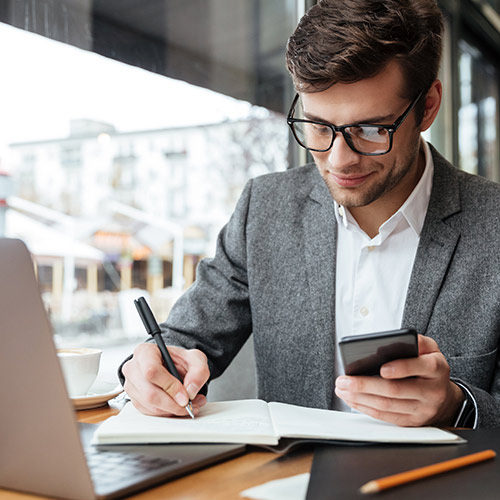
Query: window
{"points": [[467, 129], [70, 156], [478, 113], [130, 131]]}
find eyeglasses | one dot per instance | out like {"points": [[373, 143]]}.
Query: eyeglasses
{"points": [[368, 139]]}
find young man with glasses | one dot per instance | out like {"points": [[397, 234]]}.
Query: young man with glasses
{"points": [[379, 233]]}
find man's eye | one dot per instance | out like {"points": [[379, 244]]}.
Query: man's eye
{"points": [[367, 132], [320, 129]]}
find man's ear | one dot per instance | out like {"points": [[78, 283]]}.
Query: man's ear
{"points": [[432, 104]]}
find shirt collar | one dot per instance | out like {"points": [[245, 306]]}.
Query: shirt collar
{"points": [[413, 209], [343, 215]]}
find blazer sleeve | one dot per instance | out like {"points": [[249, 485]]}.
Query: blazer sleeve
{"points": [[483, 407], [214, 315]]}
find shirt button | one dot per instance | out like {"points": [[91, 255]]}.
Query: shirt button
{"points": [[371, 248], [364, 311], [341, 210]]}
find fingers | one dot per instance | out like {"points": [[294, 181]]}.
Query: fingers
{"points": [[402, 419], [426, 345], [401, 402], [429, 364], [393, 401], [154, 391], [396, 389], [411, 392], [437, 406], [193, 366]]}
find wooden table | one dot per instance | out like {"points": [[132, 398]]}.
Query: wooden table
{"points": [[222, 482]]}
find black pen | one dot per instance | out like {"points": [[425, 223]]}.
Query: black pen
{"points": [[154, 330]]}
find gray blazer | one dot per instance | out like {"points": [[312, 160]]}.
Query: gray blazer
{"points": [[273, 275]]}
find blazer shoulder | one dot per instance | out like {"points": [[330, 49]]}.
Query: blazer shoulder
{"points": [[306, 174], [477, 191], [283, 191], [474, 191]]}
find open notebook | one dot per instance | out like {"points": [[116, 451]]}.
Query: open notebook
{"points": [[257, 422]]}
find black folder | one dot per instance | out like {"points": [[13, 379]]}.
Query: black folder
{"points": [[339, 471]]}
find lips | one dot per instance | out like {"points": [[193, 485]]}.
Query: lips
{"points": [[349, 180]]}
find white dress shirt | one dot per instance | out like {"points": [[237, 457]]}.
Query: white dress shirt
{"points": [[372, 275]]}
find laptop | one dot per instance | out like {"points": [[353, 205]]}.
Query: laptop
{"points": [[43, 450]]}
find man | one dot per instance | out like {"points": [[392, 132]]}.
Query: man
{"points": [[379, 233]]}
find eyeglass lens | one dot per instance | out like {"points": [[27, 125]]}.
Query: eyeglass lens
{"points": [[364, 139]]}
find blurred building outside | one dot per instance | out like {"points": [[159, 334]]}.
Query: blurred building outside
{"points": [[110, 216]]}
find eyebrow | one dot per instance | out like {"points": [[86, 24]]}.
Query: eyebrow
{"points": [[375, 120]]}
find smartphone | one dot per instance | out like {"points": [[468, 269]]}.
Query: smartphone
{"points": [[365, 354]]}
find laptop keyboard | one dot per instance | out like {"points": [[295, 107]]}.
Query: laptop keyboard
{"points": [[107, 467]]}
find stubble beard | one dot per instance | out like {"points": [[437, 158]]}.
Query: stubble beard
{"points": [[362, 196]]}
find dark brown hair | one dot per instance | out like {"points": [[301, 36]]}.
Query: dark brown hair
{"points": [[345, 41]]}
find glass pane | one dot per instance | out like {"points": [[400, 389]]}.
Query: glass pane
{"points": [[123, 174], [478, 113], [440, 134]]}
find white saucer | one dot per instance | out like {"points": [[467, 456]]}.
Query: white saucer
{"points": [[99, 394]]}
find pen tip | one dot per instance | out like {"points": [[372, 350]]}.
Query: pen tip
{"points": [[189, 409]]}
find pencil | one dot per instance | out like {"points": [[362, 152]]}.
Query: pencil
{"points": [[430, 470]]}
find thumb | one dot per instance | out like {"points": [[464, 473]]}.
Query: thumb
{"points": [[196, 371], [426, 345]]}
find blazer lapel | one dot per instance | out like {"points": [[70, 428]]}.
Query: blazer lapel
{"points": [[320, 240], [438, 242]]}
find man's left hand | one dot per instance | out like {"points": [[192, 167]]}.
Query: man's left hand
{"points": [[409, 392]]}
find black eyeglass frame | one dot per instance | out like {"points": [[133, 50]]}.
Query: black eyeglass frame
{"points": [[342, 128]]}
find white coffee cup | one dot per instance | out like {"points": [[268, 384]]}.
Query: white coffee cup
{"points": [[80, 366]]}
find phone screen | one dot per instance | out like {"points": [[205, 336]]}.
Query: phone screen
{"points": [[365, 354]]}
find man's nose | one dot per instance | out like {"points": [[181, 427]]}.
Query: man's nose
{"points": [[341, 154]]}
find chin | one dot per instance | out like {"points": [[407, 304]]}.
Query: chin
{"points": [[353, 197]]}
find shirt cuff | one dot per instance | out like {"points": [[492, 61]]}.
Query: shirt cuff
{"points": [[121, 377], [468, 414]]}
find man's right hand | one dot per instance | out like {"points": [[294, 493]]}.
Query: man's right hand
{"points": [[154, 391]]}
